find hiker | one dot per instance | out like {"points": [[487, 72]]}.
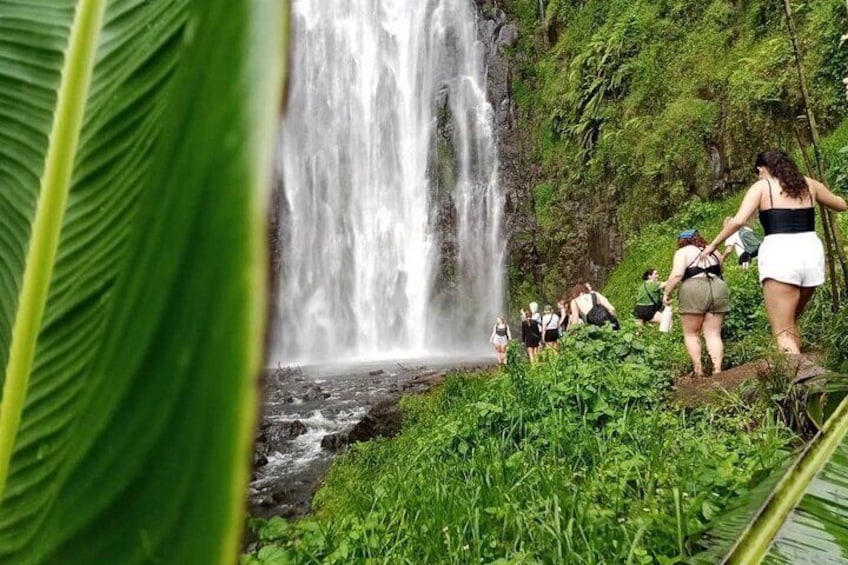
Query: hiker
{"points": [[704, 298], [791, 257], [649, 304], [531, 330], [745, 242], [591, 307], [500, 339], [550, 328], [562, 306]]}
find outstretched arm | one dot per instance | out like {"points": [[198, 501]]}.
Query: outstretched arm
{"points": [[825, 197], [750, 204]]}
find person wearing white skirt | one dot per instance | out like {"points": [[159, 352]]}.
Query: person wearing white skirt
{"points": [[791, 257]]}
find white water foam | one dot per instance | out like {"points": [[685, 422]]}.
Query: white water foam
{"points": [[380, 260]]}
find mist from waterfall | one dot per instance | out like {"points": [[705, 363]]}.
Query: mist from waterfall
{"points": [[391, 222]]}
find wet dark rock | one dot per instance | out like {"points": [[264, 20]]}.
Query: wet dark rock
{"points": [[376, 372], [272, 437], [291, 430], [518, 172], [279, 489], [383, 420], [334, 442], [314, 392]]}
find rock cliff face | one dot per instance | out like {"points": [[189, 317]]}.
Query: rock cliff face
{"points": [[587, 245], [517, 172]]}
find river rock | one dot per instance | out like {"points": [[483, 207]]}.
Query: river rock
{"points": [[291, 430], [314, 392], [334, 442], [384, 419]]}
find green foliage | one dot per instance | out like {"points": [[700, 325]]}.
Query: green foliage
{"points": [[138, 139], [639, 107], [579, 455], [802, 518], [746, 330]]}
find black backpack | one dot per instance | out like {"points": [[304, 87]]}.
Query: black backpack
{"points": [[599, 315]]}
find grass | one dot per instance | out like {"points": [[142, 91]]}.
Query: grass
{"points": [[580, 458]]}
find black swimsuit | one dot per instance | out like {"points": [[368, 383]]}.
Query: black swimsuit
{"points": [[713, 270], [787, 220]]}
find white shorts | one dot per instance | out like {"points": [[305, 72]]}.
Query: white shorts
{"points": [[500, 340], [792, 258]]}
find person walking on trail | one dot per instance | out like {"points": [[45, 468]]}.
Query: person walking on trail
{"points": [[591, 307], [704, 298], [791, 257], [648, 309], [745, 242], [550, 327], [500, 338], [562, 306], [531, 330]]}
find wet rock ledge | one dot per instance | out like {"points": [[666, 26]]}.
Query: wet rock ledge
{"points": [[308, 421]]}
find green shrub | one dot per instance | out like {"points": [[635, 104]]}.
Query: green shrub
{"points": [[579, 455]]}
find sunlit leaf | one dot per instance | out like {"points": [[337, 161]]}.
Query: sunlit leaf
{"points": [[137, 139]]}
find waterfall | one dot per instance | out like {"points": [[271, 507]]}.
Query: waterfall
{"points": [[391, 235]]}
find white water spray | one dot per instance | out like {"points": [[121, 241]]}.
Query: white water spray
{"points": [[392, 243]]}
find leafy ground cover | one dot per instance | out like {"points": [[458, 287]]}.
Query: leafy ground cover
{"points": [[581, 458]]}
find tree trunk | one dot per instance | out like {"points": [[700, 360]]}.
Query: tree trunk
{"points": [[827, 220]]}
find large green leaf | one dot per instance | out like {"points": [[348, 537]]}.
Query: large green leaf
{"points": [[805, 516], [136, 140]]}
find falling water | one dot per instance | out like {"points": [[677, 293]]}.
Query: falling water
{"points": [[391, 218]]}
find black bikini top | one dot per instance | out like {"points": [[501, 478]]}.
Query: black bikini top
{"points": [[787, 220], [713, 269]]}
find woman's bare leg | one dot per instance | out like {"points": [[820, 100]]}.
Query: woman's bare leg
{"points": [[807, 293], [712, 335], [692, 339], [782, 301]]}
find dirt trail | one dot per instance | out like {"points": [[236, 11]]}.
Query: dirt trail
{"points": [[691, 391]]}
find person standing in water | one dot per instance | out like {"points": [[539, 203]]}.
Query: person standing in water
{"points": [[531, 330], [791, 256], [500, 338]]}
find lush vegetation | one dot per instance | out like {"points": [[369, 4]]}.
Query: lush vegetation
{"points": [[637, 107], [137, 142], [646, 117], [580, 458], [746, 330]]}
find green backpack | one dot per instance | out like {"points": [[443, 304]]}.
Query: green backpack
{"points": [[750, 241]]}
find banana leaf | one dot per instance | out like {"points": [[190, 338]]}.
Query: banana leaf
{"points": [[137, 140], [805, 515]]}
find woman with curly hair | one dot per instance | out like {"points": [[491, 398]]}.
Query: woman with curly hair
{"points": [[704, 298], [791, 257]]}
